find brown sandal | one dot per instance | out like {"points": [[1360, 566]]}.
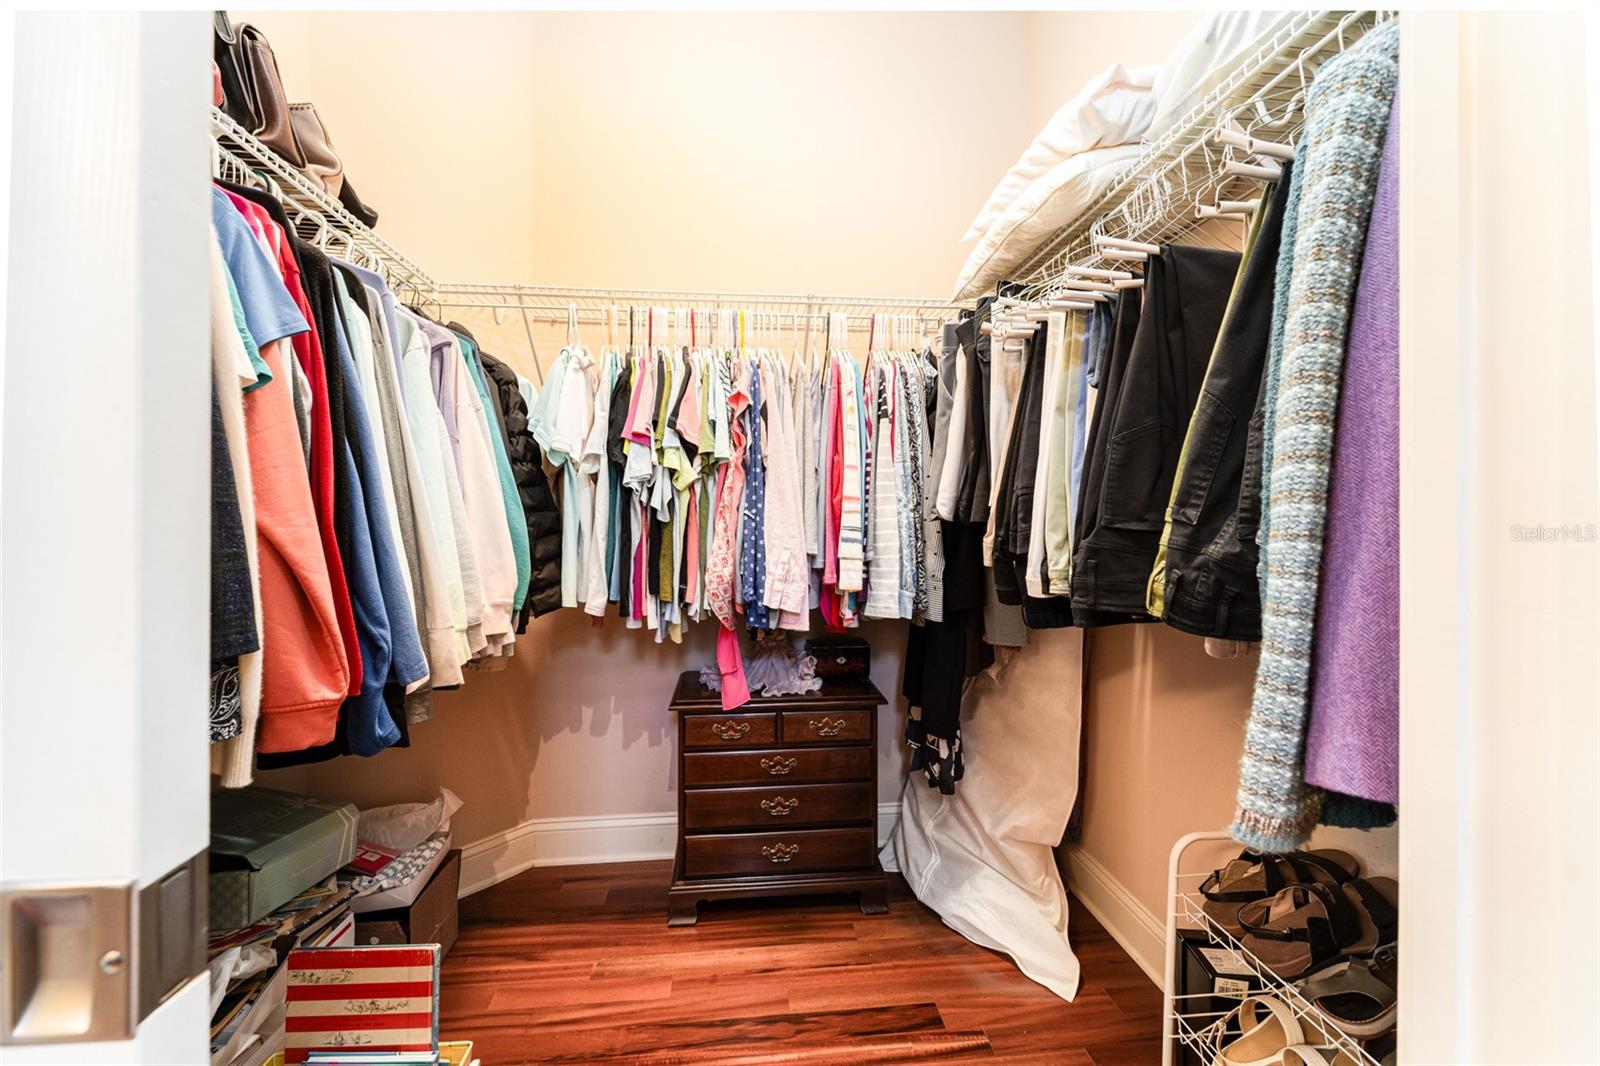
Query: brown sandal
{"points": [[1254, 876]]}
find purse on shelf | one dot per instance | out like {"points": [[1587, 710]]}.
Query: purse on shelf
{"points": [[258, 94], [323, 163], [236, 101]]}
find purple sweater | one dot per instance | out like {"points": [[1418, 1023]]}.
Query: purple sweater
{"points": [[1352, 741]]}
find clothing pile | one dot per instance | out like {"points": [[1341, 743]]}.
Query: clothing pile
{"points": [[381, 517]]}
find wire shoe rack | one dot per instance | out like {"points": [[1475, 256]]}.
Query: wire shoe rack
{"points": [[1189, 1021]]}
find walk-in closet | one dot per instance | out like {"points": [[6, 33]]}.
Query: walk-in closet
{"points": [[738, 536]]}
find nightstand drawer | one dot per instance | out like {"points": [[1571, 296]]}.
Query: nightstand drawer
{"points": [[729, 730], [803, 851], [778, 805], [826, 727], [793, 766]]}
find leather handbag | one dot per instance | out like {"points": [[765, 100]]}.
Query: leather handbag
{"points": [[265, 87], [322, 162], [237, 101]]}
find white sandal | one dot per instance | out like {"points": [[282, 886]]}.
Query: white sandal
{"points": [[1267, 1028]]}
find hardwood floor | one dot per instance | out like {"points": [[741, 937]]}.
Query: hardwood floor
{"points": [[576, 964]]}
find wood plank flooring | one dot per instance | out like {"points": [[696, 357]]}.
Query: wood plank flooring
{"points": [[576, 964]]}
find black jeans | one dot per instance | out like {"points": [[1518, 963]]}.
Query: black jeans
{"points": [[1185, 294], [1211, 586]]}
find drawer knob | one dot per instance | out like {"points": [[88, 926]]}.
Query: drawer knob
{"points": [[777, 766], [730, 730], [779, 807], [780, 852], [826, 727]]}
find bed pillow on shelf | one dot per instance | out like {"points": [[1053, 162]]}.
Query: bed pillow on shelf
{"points": [[1114, 107], [1051, 202], [1202, 59]]}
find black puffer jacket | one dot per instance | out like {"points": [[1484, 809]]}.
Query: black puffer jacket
{"points": [[538, 502]]}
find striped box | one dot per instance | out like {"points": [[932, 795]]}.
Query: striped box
{"points": [[378, 998]]}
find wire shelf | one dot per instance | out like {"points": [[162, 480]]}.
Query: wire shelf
{"points": [[317, 217], [1202, 1031], [239, 157], [1155, 201]]}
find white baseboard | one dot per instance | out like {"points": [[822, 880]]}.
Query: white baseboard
{"points": [[580, 841], [1143, 935]]}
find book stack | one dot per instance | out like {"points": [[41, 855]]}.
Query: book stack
{"points": [[247, 1026], [365, 1000]]}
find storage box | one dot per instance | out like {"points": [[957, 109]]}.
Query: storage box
{"points": [[841, 658], [267, 847], [431, 918], [1215, 975]]}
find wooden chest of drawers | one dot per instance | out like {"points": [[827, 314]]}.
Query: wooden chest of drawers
{"points": [[777, 798]]}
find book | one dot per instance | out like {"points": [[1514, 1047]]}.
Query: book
{"points": [[370, 859], [380, 998]]}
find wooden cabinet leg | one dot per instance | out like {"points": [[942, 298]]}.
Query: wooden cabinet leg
{"points": [[682, 910], [874, 901]]}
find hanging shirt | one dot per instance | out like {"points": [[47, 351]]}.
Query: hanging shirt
{"points": [[511, 500], [304, 670], [442, 492]]}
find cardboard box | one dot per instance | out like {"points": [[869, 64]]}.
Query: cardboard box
{"points": [[430, 919], [267, 847]]}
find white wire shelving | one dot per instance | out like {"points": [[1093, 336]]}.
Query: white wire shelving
{"points": [[237, 156], [1189, 1021], [1156, 200], [317, 217]]}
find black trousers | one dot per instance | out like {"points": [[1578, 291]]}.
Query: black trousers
{"points": [[1185, 294], [1211, 586]]}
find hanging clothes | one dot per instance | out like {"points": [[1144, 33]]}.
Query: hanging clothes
{"points": [[1352, 94]]}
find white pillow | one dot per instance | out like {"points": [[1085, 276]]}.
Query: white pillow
{"points": [[1202, 58], [984, 858], [1054, 200], [1115, 107]]}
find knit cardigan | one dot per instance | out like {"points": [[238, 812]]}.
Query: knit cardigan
{"points": [[1347, 112]]}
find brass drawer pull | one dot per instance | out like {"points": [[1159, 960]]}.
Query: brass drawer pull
{"points": [[780, 852], [778, 765], [730, 730], [827, 727], [779, 807]]}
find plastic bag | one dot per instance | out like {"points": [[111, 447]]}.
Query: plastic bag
{"points": [[402, 826]]}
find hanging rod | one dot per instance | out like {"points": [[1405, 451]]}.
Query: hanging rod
{"points": [[1155, 201]]}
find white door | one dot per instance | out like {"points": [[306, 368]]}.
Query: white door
{"points": [[104, 540]]}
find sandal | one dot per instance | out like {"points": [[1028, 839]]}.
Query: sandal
{"points": [[1254, 876], [1376, 902], [1305, 928], [1300, 930], [1266, 1029], [1357, 996]]}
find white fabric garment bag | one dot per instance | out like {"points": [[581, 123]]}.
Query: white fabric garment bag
{"points": [[984, 858]]}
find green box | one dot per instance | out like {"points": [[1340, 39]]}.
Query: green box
{"points": [[267, 847]]}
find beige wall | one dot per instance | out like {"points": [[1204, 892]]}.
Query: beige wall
{"points": [[1067, 48], [806, 152]]}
